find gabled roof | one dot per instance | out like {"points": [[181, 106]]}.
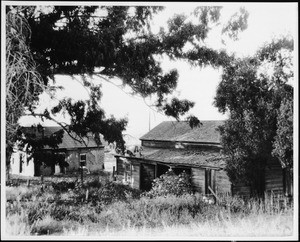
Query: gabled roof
{"points": [[67, 142], [181, 131]]}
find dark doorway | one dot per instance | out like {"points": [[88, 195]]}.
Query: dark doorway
{"points": [[147, 176], [161, 169], [178, 171]]}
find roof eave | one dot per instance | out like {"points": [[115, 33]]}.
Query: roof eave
{"points": [[75, 148], [183, 141], [170, 164]]}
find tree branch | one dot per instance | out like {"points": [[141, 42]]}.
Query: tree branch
{"points": [[80, 140]]}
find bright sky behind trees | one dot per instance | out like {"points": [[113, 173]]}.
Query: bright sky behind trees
{"points": [[266, 20]]}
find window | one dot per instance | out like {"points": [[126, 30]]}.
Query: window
{"points": [[82, 160]]}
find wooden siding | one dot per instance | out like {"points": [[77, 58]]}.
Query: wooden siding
{"points": [[274, 179], [241, 189], [147, 176], [219, 181], [135, 176], [198, 179], [223, 185], [120, 169], [134, 172]]}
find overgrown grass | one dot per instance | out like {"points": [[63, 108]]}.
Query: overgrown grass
{"points": [[102, 208]]}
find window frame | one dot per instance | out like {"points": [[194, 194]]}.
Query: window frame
{"points": [[82, 163]]}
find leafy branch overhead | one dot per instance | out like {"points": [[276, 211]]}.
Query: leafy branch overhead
{"points": [[76, 40]]}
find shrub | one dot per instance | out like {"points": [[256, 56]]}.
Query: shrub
{"points": [[170, 183]]}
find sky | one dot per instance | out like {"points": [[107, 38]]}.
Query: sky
{"points": [[266, 20]]}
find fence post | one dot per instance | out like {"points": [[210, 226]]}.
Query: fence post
{"points": [[28, 182], [42, 183], [113, 173]]}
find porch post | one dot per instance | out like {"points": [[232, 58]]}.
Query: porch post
{"points": [[155, 171]]}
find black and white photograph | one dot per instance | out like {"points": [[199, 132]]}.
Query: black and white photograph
{"points": [[149, 120]]}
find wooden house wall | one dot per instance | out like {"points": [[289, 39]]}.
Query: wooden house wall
{"points": [[274, 179], [133, 171], [220, 181], [223, 184], [135, 175], [198, 179], [147, 174], [240, 189], [120, 169]]}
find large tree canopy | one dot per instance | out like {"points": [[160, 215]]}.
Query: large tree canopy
{"points": [[118, 40], [257, 102]]}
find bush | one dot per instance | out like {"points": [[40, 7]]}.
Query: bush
{"points": [[170, 183]]}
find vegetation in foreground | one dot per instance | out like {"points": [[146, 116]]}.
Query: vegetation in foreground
{"points": [[106, 208]]}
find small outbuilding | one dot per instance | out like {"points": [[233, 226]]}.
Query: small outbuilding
{"points": [[72, 153]]}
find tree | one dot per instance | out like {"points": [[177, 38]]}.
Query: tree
{"points": [[23, 81], [80, 40], [283, 144], [253, 99]]}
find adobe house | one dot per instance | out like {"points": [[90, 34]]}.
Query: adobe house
{"points": [[177, 146], [74, 153]]}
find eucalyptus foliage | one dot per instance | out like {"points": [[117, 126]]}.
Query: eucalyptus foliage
{"points": [[254, 91], [108, 42]]}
